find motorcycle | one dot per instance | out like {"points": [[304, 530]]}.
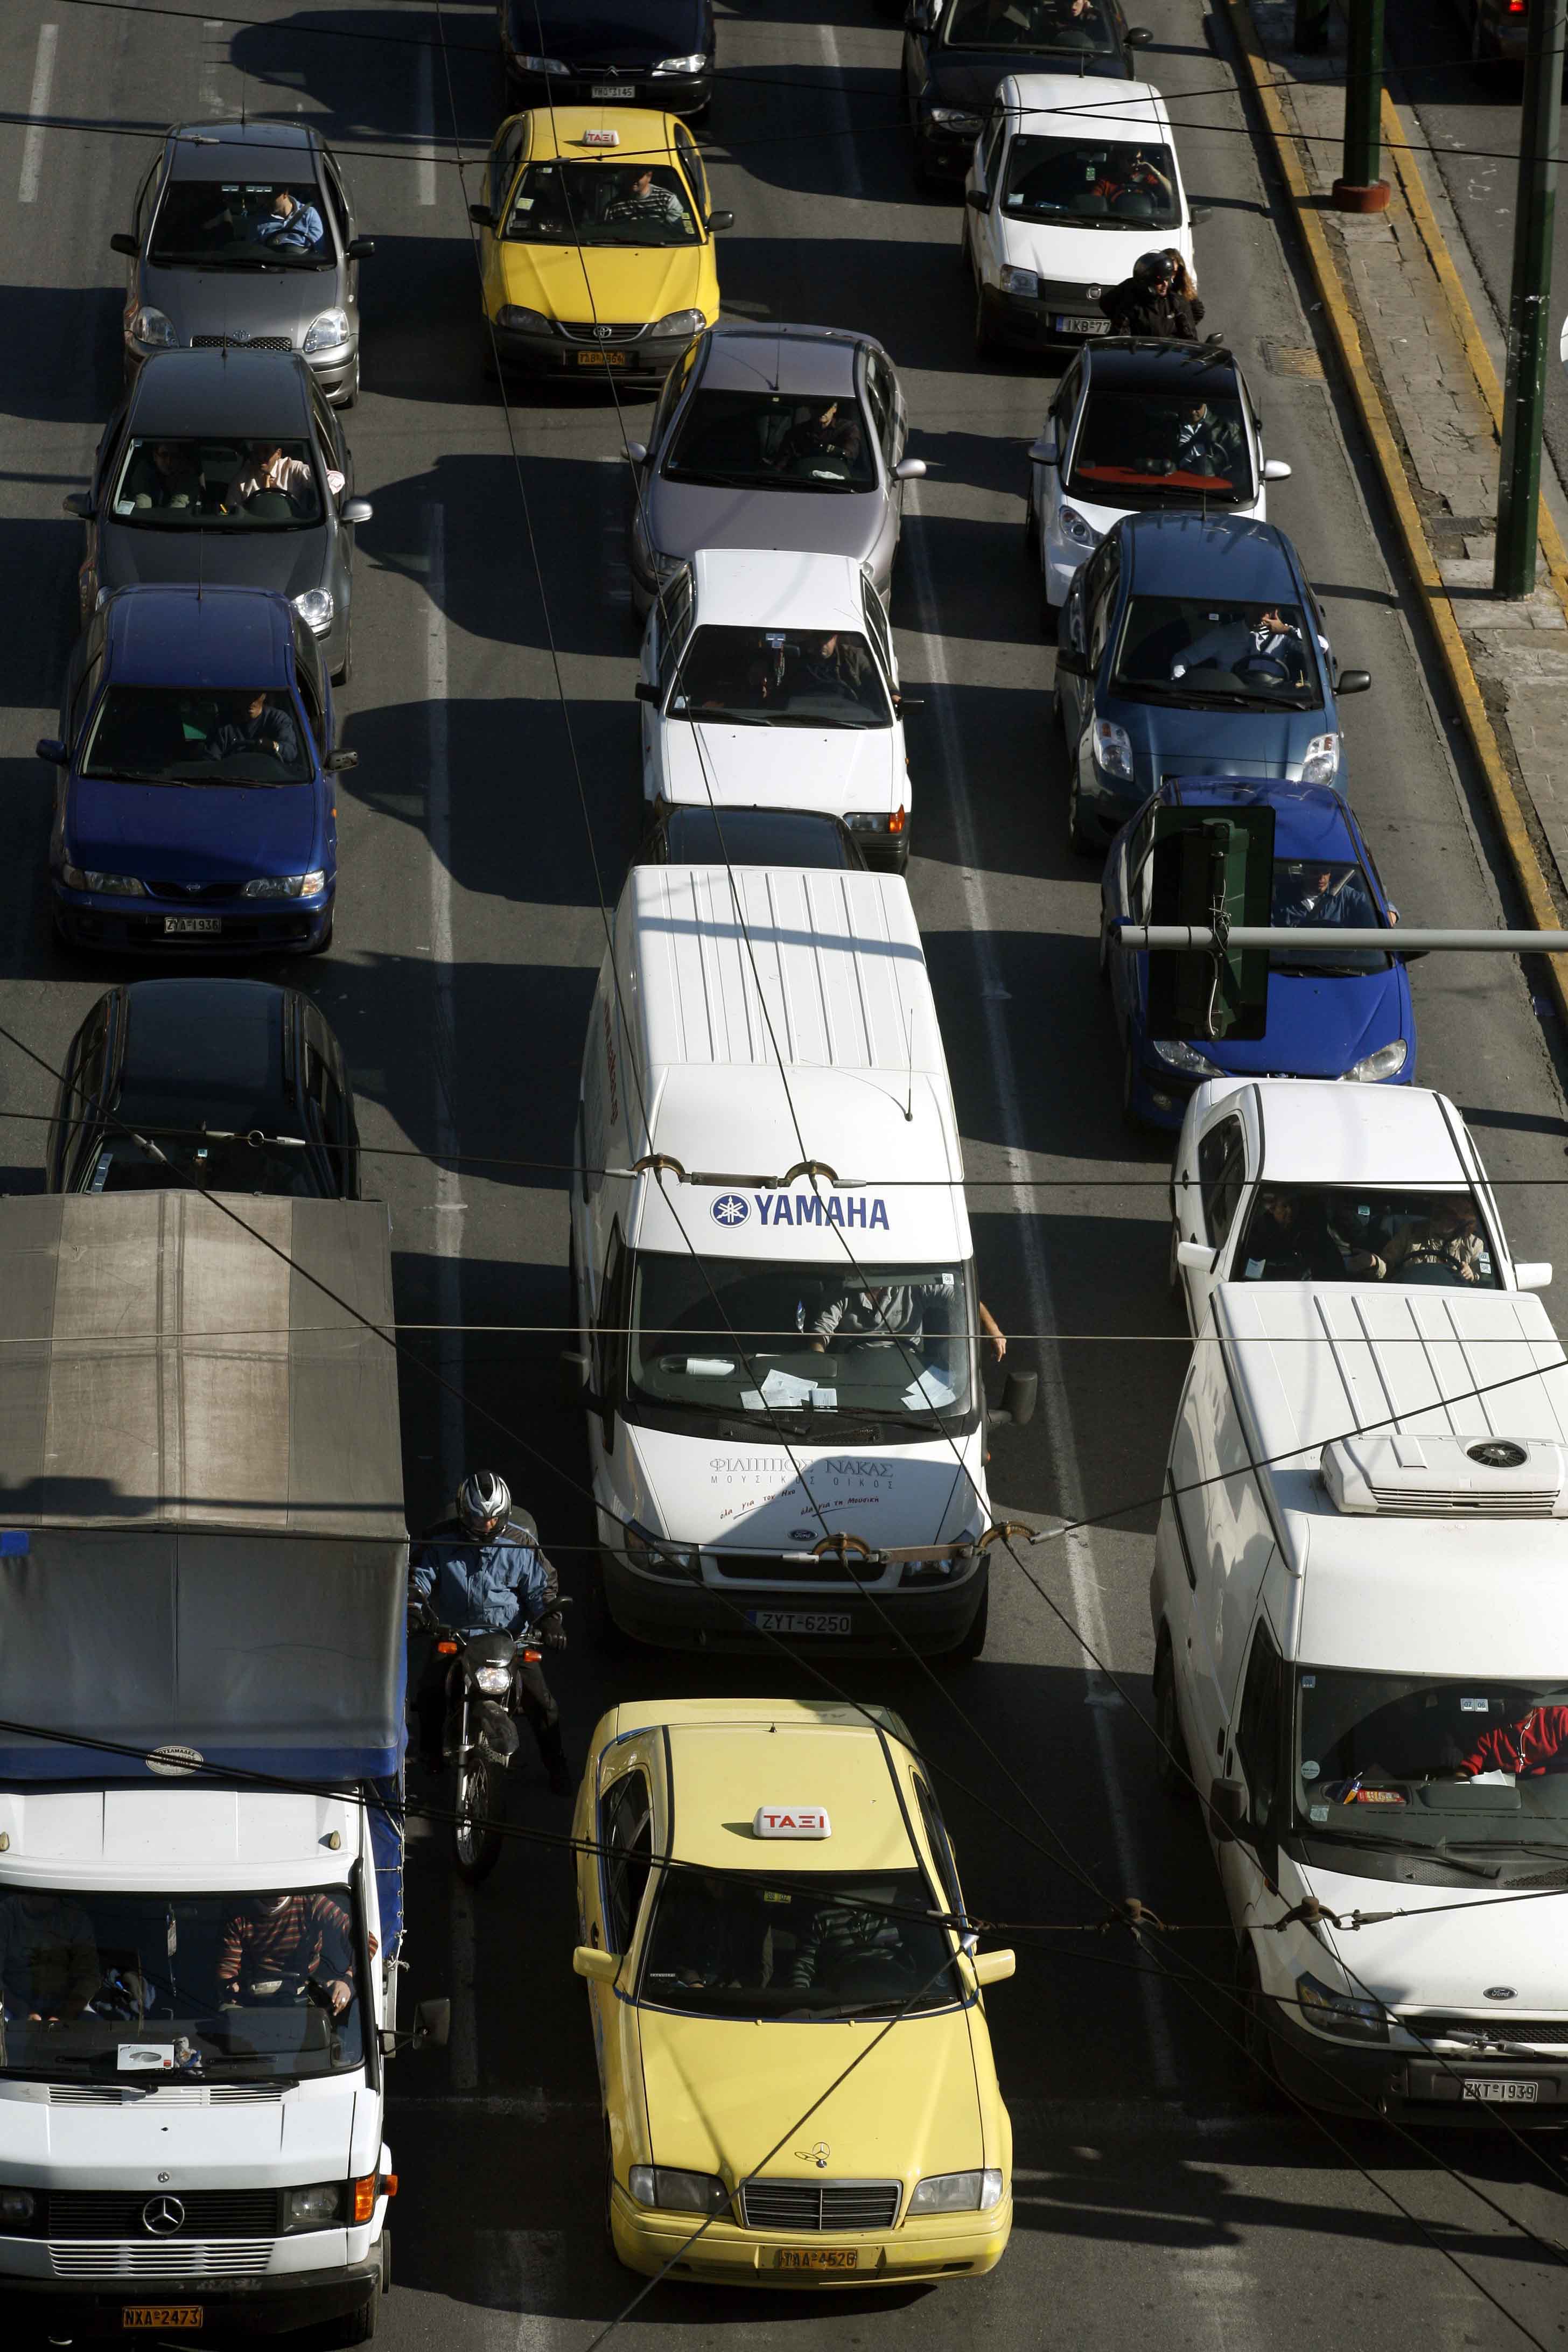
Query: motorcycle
{"points": [[479, 1736]]}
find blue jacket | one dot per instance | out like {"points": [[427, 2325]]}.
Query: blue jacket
{"points": [[500, 1586]]}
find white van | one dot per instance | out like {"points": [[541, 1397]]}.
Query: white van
{"points": [[1359, 1600], [749, 1410]]}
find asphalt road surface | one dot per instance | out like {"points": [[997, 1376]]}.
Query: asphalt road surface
{"points": [[492, 711]]}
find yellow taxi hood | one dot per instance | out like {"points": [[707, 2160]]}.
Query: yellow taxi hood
{"points": [[721, 2091], [623, 285]]}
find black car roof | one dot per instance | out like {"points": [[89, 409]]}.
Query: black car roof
{"points": [[206, 1053], [217, 394], [1151, 364], [260, 131]]}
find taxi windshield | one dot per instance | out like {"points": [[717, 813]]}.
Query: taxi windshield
{"points": [[264, 485], [773, 441], [809, 1346], [1187, 651], [172, 735], [1142, 450], [1092, 183], [1318, 897], [723, 1946], [241, 224], [1082, 25], [1340, 1232], [600, 204], [781, 677]]}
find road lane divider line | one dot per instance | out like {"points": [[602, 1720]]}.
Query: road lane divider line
{"points": [[37, 107], [425, 126], [215, 58]]}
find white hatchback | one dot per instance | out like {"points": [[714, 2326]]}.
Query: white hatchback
{"points": [[769, 680]]}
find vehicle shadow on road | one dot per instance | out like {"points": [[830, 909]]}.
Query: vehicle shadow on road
{"points": [[361, 69], [63, 348]]}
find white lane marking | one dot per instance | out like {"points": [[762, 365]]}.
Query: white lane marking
{"points": [[464, 2044], [846, 157], [37, 106], [425, 126], [214, 59]]}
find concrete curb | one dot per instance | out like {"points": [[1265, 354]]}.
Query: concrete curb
{"points": [[1339, 313]]}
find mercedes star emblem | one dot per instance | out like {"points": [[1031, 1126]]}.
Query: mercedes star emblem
{"points": [[163, 2216]]}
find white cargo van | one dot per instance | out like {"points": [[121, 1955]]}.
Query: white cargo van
{"points": [[755, 1433], [1359, 1600]]}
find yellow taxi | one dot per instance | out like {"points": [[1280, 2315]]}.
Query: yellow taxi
{"points": [[730, 1995], [597, 242]]}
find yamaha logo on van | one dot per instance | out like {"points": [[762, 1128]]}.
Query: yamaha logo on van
{"points": [[849, 1210], [731, 1209]]}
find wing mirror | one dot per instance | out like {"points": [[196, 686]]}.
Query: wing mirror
{"points": [[1198, 214], [637, 452], [1352, 681], [51, 748], [432, 2023], [977, 200], [360, 249], [481, 215], [1138, 36], [357, 510], [1227, 1810], [1016, 1409], [1199, 1256], [574, 1376], [337, 764], [645, 691], [599, 1968], [720, 220], [79, 503], [909, 469], [992, 1968], [120, 242], [1532, 1274], [1275, 469], [1042, 452], [1070, 663]]}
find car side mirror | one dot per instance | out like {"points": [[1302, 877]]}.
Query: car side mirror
{"points": [[977, 200], [1042, 452], [1016, 1409], [992, 1968], [574, 1375], [356, 511], [599, 1968], [432, 2024], [360, 249], [1198, 214], [50, 748], [1199, 1256], [1139, 37], [720, 220], [481, 215], [80, 503], [1070, 663], [1276, 470], [647, 691], [337, 764], [1532, 1274], [1227, 1810], [1352, 681], [909, 469], [122, 242], [637, 452]]}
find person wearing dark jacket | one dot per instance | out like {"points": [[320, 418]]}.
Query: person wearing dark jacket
{"points": [[1147, 303]]}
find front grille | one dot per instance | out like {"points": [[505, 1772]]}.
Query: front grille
{"points": [[773, 1568], [116, 2214], [240, 343], [1428, 1502], [1545, 2032], [193, 894], [814, 2206], [169, 2094], [600, 331], [237, 2260]]}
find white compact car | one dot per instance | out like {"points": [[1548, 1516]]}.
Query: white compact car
{"points": [[1071, 179], [1305, 1180], [769, 680]]}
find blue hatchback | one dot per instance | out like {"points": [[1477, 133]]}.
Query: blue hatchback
{"points": [[195, 809], [1344, 1015]]}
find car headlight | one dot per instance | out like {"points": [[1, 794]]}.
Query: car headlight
{"points": [[314, 2209], [1184, 1057], [925, 1572], [17, 2204], [72, 876], [1340, 2012], [286, 886], [154, 329], [1074, 527], [957, 2192], [315, 609], [1321, 762], [676, 2193], [955, 118], [542, 64], [494, 1681], [675, 1562], [110, 886], [1112, 749], [1387, 1063], [524, 322], [326, 332], [1019, 281], [693, 64], [681, 323]]}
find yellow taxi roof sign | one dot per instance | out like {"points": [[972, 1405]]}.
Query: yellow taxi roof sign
{"points": [[791, 1822], [601, 138]]}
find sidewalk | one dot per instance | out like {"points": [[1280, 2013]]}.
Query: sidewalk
{"points": [[1427, 389]]}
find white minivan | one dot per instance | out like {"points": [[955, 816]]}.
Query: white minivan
{"points": [[1359, 1600], [773, 1274]]}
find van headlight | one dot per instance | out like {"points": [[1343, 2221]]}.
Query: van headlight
{"points": [[315, 609], [675, 1562], [957, 2192], [1182, 1057], [326, 332], [1387, 1063], [153, 330], [314, 2209], [286, 886], [676, 2193], [1321, 764], [1340, 2012]]}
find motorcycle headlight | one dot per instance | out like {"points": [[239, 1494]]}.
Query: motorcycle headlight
{"points": [[681, 323], [112, 886], [1322, 763], [1185, 1057], [693, 64], [314, 2209], [1019, 281], [325, 333], [1112, 749], [153, 330], [1340, 2012], [676, 2193], [315, 609], [957, 2192], [522, 321], [494, 1681], [542, 64], [955, 118], [1074, 527], [1387, 1063], [286, 886]]}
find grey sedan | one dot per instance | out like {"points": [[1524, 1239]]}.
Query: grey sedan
{"points": [[773, 436], [227, 468], [243, 238]]}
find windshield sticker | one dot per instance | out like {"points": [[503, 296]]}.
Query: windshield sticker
{"points": [[100, 1173], [1255, 1267], [810, 1209], [1350, 1792], [145, 2057], [1320, 1813], [1309, 1682], [1310, 1772], [1475, 1706]]}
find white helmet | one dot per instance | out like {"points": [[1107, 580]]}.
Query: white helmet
{"points": [[483, 1502]]}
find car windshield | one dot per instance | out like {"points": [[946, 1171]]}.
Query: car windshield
{"points": [[763, 1341], [1082, 25], [1345, 1232], [773, 441], [1471, 1771], [214, 1163], [1138, 449], [1199, 654], [600, 204], [172, 735], [1318, 897], [1093, 183], [786, 678], [721, 1946], [755, 836], [242, 225], [265, 485], [117, 1988]]}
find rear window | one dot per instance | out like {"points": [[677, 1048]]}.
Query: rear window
{"points": [[754, 837]]}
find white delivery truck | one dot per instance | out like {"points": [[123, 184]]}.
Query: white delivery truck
{"points": [[773, 1274], [1359, 1600], [202, 1610]]}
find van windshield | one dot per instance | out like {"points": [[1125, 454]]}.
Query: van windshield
{"points": [[1342, 1233], [814, 1345], [122, 1987], [1470, 1773], [721, 1946]]}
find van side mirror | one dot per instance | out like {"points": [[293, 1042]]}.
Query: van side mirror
{"points": [[337, 764], [1227, 1810], [1199, 1256], [1198, 214], [481, 215], [574, 1382], [599, 1968], [1532, 1274], [1070, 663], [432, 2024], [646, 690], [1352, 681], [122, 242], [79, 503], [977, 200], [1016, 1409]]}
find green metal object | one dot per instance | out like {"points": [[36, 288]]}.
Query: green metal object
{"points": [[1212, 867], [1363, 96], [1530, 304]]}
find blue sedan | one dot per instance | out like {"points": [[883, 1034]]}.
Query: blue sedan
{"points": [[195, 809], [1331, 1014]]}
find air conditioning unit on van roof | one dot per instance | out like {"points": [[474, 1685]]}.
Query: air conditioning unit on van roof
{"points": [[1399, 1474]]}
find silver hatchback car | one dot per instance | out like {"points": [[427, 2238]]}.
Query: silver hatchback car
{"points": [[244, 238], [773, 436]]}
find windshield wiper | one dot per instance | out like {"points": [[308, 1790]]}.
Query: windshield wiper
{"points": [[1437, 1852], [1502, 1847], [723, 718]]}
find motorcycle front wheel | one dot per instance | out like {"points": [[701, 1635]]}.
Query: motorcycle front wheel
{"points": [[476, 1840]]}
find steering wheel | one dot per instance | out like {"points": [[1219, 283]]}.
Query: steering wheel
{"points": [[1263, 666]]}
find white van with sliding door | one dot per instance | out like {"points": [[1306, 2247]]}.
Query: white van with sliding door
{"points": [[773, 1272], [1361, 1614]]}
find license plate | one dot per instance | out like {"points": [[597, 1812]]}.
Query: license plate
{"points": [[184, 925], [798, 1621], [1502, 2091], [817, 2258], [1066, 323], [160, 2314], [612, 90], [601, 358]]}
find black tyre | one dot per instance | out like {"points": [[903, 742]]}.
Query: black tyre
{"points": [[1252, 2019], [1032, 534], [385, 2248], [965, 1652], [1103, 961], [1131, 1117], [1171, 1761], [337, 2334], [342, 676], [985, 336], [1050, 614], [1079, 841], [476, 1840]]}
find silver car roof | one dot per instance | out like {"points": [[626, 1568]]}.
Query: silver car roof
{"points": [[780, 359]]}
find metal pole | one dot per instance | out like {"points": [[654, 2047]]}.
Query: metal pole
{"points": [[1529, 302], [1360, 188], [1327, 940]]}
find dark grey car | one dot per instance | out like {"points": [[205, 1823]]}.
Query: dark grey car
{"points": [[773, 436], [244, 237], [228, 468]]}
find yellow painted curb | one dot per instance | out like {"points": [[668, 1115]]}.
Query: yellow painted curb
{"points": [[1418, 552]]}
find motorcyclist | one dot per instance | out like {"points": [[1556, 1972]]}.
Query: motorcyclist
{"points": [[481, 1571], [1148, 304]]}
